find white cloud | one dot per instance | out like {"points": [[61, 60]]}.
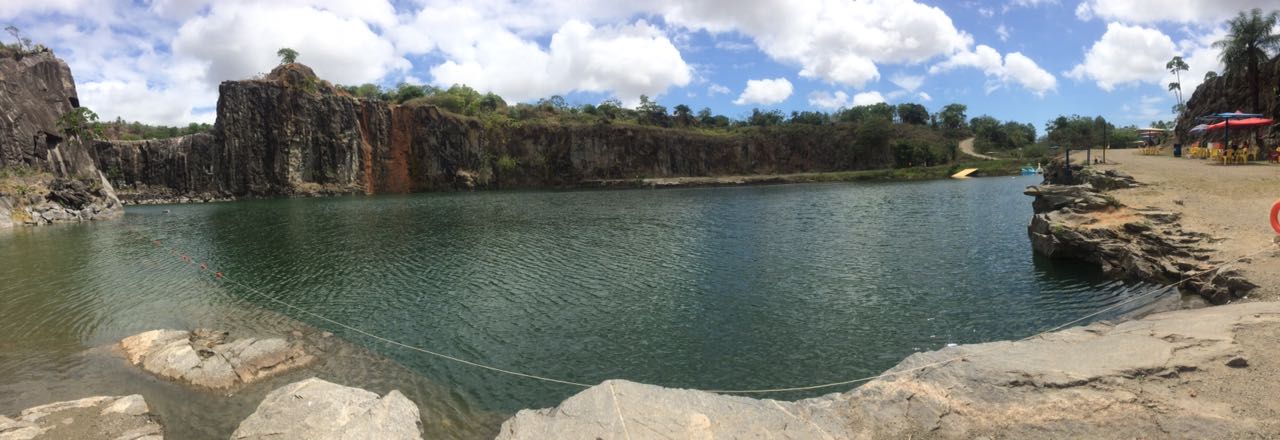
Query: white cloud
{"points": [[13, 8], [1027, 73], [626, 60], [130, 56], [836, 41], [1012, 68], [1154, 11], [924, 96], [1126, 54], [1003, 32], [908, 82], [716, 89], [1032, 3], [986, 12], [829, 100], [1201, 58], [239, 40], [765, 91], [867, 98], [1150, 108], [734, 46]]}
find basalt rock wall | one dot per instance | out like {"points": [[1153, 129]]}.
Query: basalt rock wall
{"points": [[293, 134], [35, 90], [46, 175]]}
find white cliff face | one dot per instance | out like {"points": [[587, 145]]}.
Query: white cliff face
{"points": [[314, 409], [1183, 374]]}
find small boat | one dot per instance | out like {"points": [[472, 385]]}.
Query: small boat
{"points": [[1030, 171]]}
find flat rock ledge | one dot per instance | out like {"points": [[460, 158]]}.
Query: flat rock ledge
{"points": [[1082, 222], [314, 409], [206, 360], [1186, 374], [91, 418]]}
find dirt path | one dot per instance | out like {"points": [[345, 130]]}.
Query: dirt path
{"points": [[1228, 202], [966, 146]]}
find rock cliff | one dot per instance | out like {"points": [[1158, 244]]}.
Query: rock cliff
{"points": [[1230, 92], [291, 133], [35, 90], [45, 176]]}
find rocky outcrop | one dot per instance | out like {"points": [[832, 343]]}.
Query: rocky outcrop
{"points": [[91, 418], [42, 200], [314, 409], [1163, 376], [1082, 222], [35, 90], [45, 176], [206, 360], [292, 134], [1230, 92]]}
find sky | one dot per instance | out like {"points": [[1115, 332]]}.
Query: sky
{"points": [[160, 61]]}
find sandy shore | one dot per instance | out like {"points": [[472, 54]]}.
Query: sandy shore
{"points": [[1228, 202]]}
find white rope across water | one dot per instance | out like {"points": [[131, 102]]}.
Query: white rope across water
{"points": [[255, 291]]}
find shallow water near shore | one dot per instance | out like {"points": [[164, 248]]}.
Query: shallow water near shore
{"points": [[711, 288]]}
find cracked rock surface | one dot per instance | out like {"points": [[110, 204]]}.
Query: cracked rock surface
{"points": [[315, 409], [1163, 376], [1083, 222], [91, 418], [206, 360]]}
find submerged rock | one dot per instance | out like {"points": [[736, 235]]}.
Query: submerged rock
{"points": [[314, 409], [1164, 376], [91, 418], [205, 359]]}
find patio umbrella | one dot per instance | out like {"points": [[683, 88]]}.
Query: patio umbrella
{"points": [[1247, 122], [1199, 129], [1226, 121]]}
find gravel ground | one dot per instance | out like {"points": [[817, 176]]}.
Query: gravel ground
{"points": [[1228, 202]]}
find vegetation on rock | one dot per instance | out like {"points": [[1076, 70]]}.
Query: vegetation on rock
{"points": [[1249, 42]]}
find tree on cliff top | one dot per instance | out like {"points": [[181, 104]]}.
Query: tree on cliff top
{"points": [[287, 55], [23, 43], [77, 122], [1249, 41]]}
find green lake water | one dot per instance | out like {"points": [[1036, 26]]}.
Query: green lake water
{"points": [[710, 288]]}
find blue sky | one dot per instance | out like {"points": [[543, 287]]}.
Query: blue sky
{"points": [[160, 61]]}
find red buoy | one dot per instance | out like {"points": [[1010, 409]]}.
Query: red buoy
{"points": [[217, 274], [1275, 216]]}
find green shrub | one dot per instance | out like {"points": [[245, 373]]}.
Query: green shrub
{"points": [[507, 164]]}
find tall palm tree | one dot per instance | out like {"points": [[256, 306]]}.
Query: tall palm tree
{"points": [[1176, 66], [1248, 43]]}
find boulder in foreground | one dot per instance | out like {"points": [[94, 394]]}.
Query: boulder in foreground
{"points": [[314, 409], [205, 359], [91, 418], [1163, 376]]}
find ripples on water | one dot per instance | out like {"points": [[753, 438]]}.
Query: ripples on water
{"points": [[712, 288]]}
